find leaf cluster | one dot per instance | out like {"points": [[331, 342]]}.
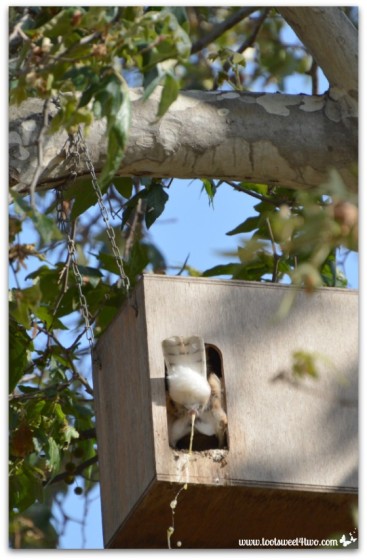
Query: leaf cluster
{"points": [[294, 235]]}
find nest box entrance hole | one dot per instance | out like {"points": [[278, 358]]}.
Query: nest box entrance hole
{"points": [[203, 442]]}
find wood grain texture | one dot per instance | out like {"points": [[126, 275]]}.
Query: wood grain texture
{"points": [[217, 518], [301, 442], [124, 417]]}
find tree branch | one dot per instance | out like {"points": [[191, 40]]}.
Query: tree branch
{"points": [[276, 139], [78, 470], [314, 77], [252, 37], [332, 40], [221, 28], [244, 190]]}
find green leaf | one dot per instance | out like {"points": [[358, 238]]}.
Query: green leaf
{"points": [[169, 94], [25, 488], [93, 274], [27, 389], [59, 25], [53, 454], [19, 346], [138, 260], [256, 187], [223, 269], [131, 204], [248, 225], [108, 262], [180, 14], [150, 87], [24, 301], [85, 197], [59, 413], [34, 410], [124, 185], [304, 363], [156, 201], [47, 317], [81, 77], [90, 92], [210, 189]]}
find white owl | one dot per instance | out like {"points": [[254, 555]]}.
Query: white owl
{"points": [[191, 391]]}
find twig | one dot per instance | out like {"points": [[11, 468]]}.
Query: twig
{"points": [[252, 193], [314, 77], [78, 470], [40, 392], [15, 275], [183, 266], [251, 39], [275, 254], [221, 28], [274, 201]]}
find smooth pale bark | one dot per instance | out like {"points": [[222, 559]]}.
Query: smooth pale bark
{"points": [[291, 140], [332, 40]]}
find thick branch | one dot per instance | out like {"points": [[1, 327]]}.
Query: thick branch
{"points": [[291, 140], [332, 40]]}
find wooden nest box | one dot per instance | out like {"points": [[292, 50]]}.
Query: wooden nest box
{"points": [[288, 467]]}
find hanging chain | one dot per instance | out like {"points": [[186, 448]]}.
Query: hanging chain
{"points": [[76, 147], [79, 282], [104, 213]]}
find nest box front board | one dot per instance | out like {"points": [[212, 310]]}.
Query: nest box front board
{"points": [[289, 465]]}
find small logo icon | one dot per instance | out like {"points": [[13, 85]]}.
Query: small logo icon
{"points": [[346, 541]]}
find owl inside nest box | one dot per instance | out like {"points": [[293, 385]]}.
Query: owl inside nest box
{"points": [[275, 446]]}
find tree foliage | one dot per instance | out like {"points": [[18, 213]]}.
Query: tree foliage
{"points": [[85, 60]]}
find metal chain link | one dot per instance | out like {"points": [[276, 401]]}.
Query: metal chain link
{"points": [[82, 299], [109, 229], [75, 146]]}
